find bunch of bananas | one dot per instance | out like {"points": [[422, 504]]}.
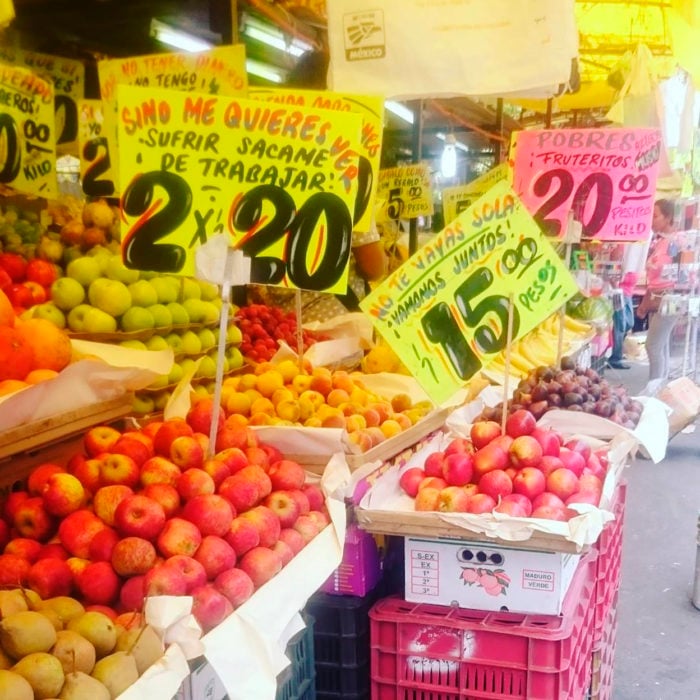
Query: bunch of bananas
{"points": [[539, 347]]}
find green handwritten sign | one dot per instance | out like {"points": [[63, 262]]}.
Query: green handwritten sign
{"points": [[445, 310]]}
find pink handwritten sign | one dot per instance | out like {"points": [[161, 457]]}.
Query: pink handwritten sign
{"points": [[607, 177]]}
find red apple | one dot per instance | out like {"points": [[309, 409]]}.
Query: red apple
{"points": [[522, 501], [32, 520], [512, 508], [178, 536], [520, 422], [194, 482], [139, 516], [186, 452], [574, 461], [320, 517], [459, 445], [589, 497], [39, 477], [432, 482], [595, 467], [267, 523], [529, 482], [242, 536], [14, 570], [547, 499], [216, 469], [133, 593], [481, 503], [273, 454], [98, 584], [302, 500], [200, 416], [283, 504], [457, 469], [63, 494], [525, 451], [428, 498], [489, 458], [551, 513], [410, 480], [4, 534], [211, 513], [453, 499], [165, 580], [293, 539], [236, 585], [215, 555], [106, 500], [503, 441], [87, 471], [549, 440], [12, 503], [76, 531], [315, 495], [261, 564], [482, 432], [24, 547], [232, 436], [100, 439], [210, 607], [285, 552], [132, 447], [102, 544], [166, 495], [159, 470], [133, 556], [496, 484], [53, 550], [167, 432], [234, 458], [241, 492], [580, 446], [192, 571], [590, 482], [50, 578], [549, 463], [562, 482], [433, 464], [118, 469], [286, 475]]}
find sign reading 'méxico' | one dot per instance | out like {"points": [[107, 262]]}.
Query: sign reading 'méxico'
{"points": [[281, 180], [607, 177], [445, 310]]}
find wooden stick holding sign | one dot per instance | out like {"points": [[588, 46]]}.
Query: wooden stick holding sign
{"points": [[300, 330], [506, 379], [573, 235]]}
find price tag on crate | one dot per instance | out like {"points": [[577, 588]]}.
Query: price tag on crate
{"points": [[445, 310]]}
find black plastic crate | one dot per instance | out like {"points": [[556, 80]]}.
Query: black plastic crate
{"points": [[345, 650], [297, 682], [334, 681], [344, 615]]}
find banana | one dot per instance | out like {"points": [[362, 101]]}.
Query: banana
{"points": [[531, 353], [576, 326]]}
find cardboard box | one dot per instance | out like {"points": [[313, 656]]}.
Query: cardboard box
{"points": [[472, 574], [682, 396], [203, 683]]}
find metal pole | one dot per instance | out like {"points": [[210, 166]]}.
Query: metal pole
{"points": [[696, 584], [548, 115], [498, 145], [417, 149]]}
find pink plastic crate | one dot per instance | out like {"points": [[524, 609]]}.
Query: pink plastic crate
{"points": [[609, 563], [603, 658], [432, 652]]}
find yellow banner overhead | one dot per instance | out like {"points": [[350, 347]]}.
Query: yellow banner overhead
{"points": [[445, 310], [281, 180], [27, 136]]}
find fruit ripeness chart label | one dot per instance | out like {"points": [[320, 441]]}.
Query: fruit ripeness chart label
{"points": [[281, 180], [445, 310], [535, 580], [425, 572], [606, 177]]}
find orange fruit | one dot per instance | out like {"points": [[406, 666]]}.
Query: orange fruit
{"points": [[16, 354], [7, 313], [9, 386], [50, 345], [40, 375]]}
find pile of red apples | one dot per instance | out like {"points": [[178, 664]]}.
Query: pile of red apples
{"points": [[526, 471], [146, 512]]}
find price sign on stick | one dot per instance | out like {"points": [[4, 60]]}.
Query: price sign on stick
{"points": [[445, 310], [96, 173], [456, 199], [280, 180], [27, 137], [68, 79], [371, 108], [606, 176], [218, 71], [405, 191]]}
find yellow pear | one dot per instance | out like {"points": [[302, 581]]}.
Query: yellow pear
{"points": [[53, 617], [98, 629], [25, 633], [5, 661], [32, 598], [143, 644], [80, 686], [14, 687], [67, 608], [74, 652], [43, 672], [11, 602], [117, 672]]}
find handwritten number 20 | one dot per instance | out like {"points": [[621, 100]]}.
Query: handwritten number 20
{"points": [[601, 182]]}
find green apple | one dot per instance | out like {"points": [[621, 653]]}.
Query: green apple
{"points": [[235, 358], [218, 302], [67, 293], [209, 290], [207, 367], [85, 269], [98, 321], [142, 293], [187, 364], [161, 399], [189, 289], [179, 314], [160, 382], [161, 315], [134, 344], [174, 340], [117, 270], [191, 344], [136, 318], [167, 288], [102, 254], [195, 309], [207, 338], [201, 390], [110, 296], [49, 249], [157, 342], [213, 354], [233, 334], [70, 253], [210, 313], [76, 317], [143, 404], [50, 312], [175, 374]]}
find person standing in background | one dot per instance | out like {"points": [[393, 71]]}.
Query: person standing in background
{"points": [[623, 314], [663, 252]]}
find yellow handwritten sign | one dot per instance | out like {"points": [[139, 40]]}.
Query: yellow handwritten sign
{"points": [[445, 310], [280, 180], [405, 192], [27, 138], [217, 71], [371, 107], [96, 173], [68, 78], [456, 199]]}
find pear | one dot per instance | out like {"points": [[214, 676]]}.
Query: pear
{"points": [[25, 633], [117, 671], [143, 644], [14, 687], [80, 686], [74, 652], [11, 602], [53, 617], [98, 629], [34, 601], [67, 608], [43, 672], [5, 661]]}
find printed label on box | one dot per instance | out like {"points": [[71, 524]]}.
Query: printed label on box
{"points": [[538, 580]]}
